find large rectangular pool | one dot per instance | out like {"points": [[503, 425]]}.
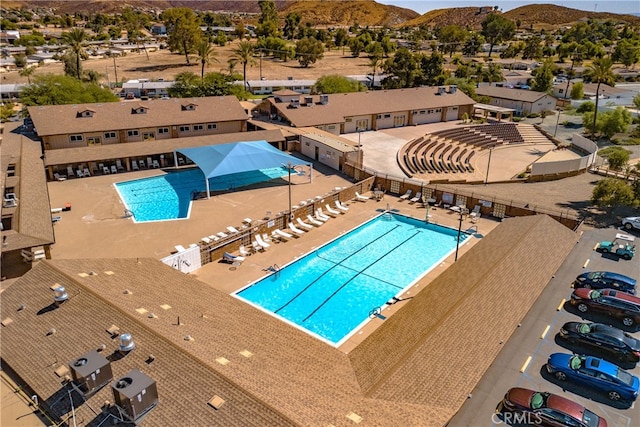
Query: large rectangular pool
{"points": [[331, 291]]}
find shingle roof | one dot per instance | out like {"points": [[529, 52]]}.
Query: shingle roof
{"points": [[511, 94], [395, 377], [353, 104], [31, 224], [111, 116]]}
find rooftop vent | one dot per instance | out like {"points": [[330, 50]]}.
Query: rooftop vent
{"points": [[135, 393], [91, 372], [60, 294], [126, 342]]}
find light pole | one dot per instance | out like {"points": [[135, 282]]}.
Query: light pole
{"points": [[557, 121], [486, 179], [459, 231], [290, 211], [359, 130]]}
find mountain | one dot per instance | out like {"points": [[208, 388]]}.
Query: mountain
{"points": [[346, 13], [465, 17], [552, 15]]}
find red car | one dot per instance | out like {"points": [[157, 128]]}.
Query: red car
{"points": [[529, 407], [620, 305]]}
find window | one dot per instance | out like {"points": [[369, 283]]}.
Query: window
{"points": [[212, 126], [185, 128], [134, 132], [331, 127], [379, 116], [560, 90], [197, 127], [454, 109], [109, 135], [438, 110], [430, 112], [75, 138], [93, 140], [386, 116], [423, 111], [163, 130], [348, 120]]}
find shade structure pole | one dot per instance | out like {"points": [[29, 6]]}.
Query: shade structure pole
{"points": [[206, 181], [175, 159]]}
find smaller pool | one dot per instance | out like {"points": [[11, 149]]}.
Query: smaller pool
{"points": [[168, 196]]}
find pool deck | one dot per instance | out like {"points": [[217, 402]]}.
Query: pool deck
{"points": [[96, 228]]}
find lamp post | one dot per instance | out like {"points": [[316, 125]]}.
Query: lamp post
{"points": [[486, 179], [290, 210], [459, 231], [359, 130], [555, 131]]}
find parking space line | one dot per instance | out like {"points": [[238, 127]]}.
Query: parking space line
{"points": [[561, 304], [586, 263], [544, 334], [526, 363], [595, 248]]}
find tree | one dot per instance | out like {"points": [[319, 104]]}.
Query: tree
{"points": [[75, 41], [473, 44], [54, 89], [611, 193], [308, 51], [291, 23], [188, 84], [496, 28], [636, 101], [268, 21], [532, 48], [627, 52], [451, 37], [618, 159], [608, 123], [206, 55], [577, 90], [6, 111], [543, 77], [432, 72], [403, 70], [183, 29], [27, 72], [244, 55], [599, 72], [374, 62], [335, 83]]}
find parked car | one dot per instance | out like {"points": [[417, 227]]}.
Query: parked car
{"points": [[620, 246], [631, 222], [604, 280], [546, 409], [621, 346], [620, 305], [596, 374]]}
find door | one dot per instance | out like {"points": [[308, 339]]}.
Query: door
{"points": [[398, 121]]}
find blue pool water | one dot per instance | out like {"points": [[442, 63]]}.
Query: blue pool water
{"points": [[168, 196], [331, 291]]}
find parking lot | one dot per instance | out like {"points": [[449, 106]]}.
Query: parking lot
{"points": [[522, 361]]}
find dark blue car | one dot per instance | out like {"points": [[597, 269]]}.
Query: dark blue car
{"points": [[606, 280], [597, 374]]}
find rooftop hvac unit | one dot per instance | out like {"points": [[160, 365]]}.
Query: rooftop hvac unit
{"points": [[126, 343], [442, 90], [135, 394], [308, 100], [453, 89], [324, 99], [91, 372], [294, 103], [60, 294]]}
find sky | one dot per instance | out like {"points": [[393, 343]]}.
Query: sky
{"points": [[423, 6]]}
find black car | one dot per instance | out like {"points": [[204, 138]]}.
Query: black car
{"points": [[606, 280], [621, 346]]}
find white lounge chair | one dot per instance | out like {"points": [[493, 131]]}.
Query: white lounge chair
{"points": [[243, 251], [156, 164], [295, 229], [361, 198], [331, 211], [222, 235], [321, 216], [141, 164], [113, 169], [70, 171], [86, 172], [261, 242], [256, 246], [304, 224], [417, 198], [59, 177], [180, 248], [247, 221], [119, 165], [105, 170], [134, 165], [475, 212], [314, 221], [80, 174], [233, 229], [206, 240], [406, 195], [56, 219], [265, 237], [149, 162], [341, 207], [281, 234]]}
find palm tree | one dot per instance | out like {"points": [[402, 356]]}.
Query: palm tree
{"points": [[244, 55], [27, 72], [206, 55], [600, 72], [75, 40], [374, 62]]}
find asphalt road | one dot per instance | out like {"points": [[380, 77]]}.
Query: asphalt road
{"points": [[535, 338]]}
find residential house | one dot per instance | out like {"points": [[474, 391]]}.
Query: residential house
{"points": [[360, 111], [523, 101], [123, 122]]}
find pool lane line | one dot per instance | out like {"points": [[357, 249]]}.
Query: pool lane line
{"points": [[347, 282], [334, 266]]}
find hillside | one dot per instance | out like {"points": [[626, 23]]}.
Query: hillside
{"points": [[549, 14], [465, 17], [340, 12]]}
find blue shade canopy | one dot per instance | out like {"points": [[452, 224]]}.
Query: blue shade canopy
{"points": [[236, 157]]}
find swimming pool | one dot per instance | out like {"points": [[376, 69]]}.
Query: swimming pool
{"points": [[168, 196], [331, 291]]}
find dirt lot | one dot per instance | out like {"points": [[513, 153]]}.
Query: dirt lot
{"points": [[164, 64]]}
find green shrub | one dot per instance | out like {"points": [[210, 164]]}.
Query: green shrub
{"points": [[533, 115], [586, 107]]}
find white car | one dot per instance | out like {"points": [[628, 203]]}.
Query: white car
{"points": [[631, 222]]}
